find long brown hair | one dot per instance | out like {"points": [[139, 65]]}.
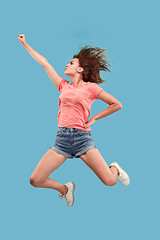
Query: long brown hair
{"points": [[93, 60]]}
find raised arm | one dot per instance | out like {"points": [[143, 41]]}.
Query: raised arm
{"points": [[55, 78], [53, 75]]}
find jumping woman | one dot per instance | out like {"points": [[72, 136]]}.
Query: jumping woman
{"points": [[74, 138]]}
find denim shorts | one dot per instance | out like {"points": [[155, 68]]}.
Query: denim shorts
{"points": [[72, 142]]}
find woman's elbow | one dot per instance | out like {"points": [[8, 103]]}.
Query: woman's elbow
{"points": [[119, 106]]}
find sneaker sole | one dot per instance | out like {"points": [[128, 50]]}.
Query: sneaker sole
{"points": [[72, 193]]}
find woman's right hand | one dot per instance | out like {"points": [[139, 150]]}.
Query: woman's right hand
{"points": [[22, 39]]}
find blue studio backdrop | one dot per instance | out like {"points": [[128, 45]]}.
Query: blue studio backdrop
{"points": [[129, 31]]}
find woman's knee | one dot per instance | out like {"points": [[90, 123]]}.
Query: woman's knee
{"points": [[36, 180]]}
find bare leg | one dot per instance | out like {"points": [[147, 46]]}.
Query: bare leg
{"points": [[95, 161], [50, 183], [49, 162]]}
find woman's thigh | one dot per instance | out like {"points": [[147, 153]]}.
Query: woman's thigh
{"points": [[48, 163], [96, 162]]}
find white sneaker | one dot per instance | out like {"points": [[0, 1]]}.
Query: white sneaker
{"points": [[123, 176], [61, 195], [70, 194]]}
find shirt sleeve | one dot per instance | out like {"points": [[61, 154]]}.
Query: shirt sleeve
{"points": [[63, 82], [95, 89]]}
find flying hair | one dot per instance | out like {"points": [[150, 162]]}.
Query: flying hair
{"points": [[93, 60]]}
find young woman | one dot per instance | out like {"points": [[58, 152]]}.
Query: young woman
{"points": [[74, 137]]}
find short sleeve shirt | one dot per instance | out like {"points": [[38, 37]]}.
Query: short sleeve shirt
{"points": [[75, 102]]}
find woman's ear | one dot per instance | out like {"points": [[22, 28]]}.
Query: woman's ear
{"points": [[80, 69]]}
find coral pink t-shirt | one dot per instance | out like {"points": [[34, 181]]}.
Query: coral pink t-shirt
{"points": [[75, 102]]}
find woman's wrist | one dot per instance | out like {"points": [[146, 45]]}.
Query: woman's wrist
{"points": [[25, 44]]}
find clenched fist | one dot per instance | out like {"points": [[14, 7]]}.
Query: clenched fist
{"points": [[22, 39]]}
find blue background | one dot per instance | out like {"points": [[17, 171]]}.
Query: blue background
{"points": [[129, 31]]}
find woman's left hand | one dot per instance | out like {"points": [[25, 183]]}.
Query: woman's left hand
{"points": [[89, 123]]}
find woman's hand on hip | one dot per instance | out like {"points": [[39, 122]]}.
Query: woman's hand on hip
{"points": [[90, 122]]}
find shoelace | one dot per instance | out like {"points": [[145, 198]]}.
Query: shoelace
{"points": [[122, 176], [61, 195]]}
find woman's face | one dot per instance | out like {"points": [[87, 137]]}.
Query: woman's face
{"points": [[73, 67]]}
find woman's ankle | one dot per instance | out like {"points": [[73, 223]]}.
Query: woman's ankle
{"points": [[64, 190], [114, 170]]}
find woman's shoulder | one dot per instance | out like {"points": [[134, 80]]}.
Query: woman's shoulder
{"points": [[93, 85], [62, 84], [94, 89]]}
